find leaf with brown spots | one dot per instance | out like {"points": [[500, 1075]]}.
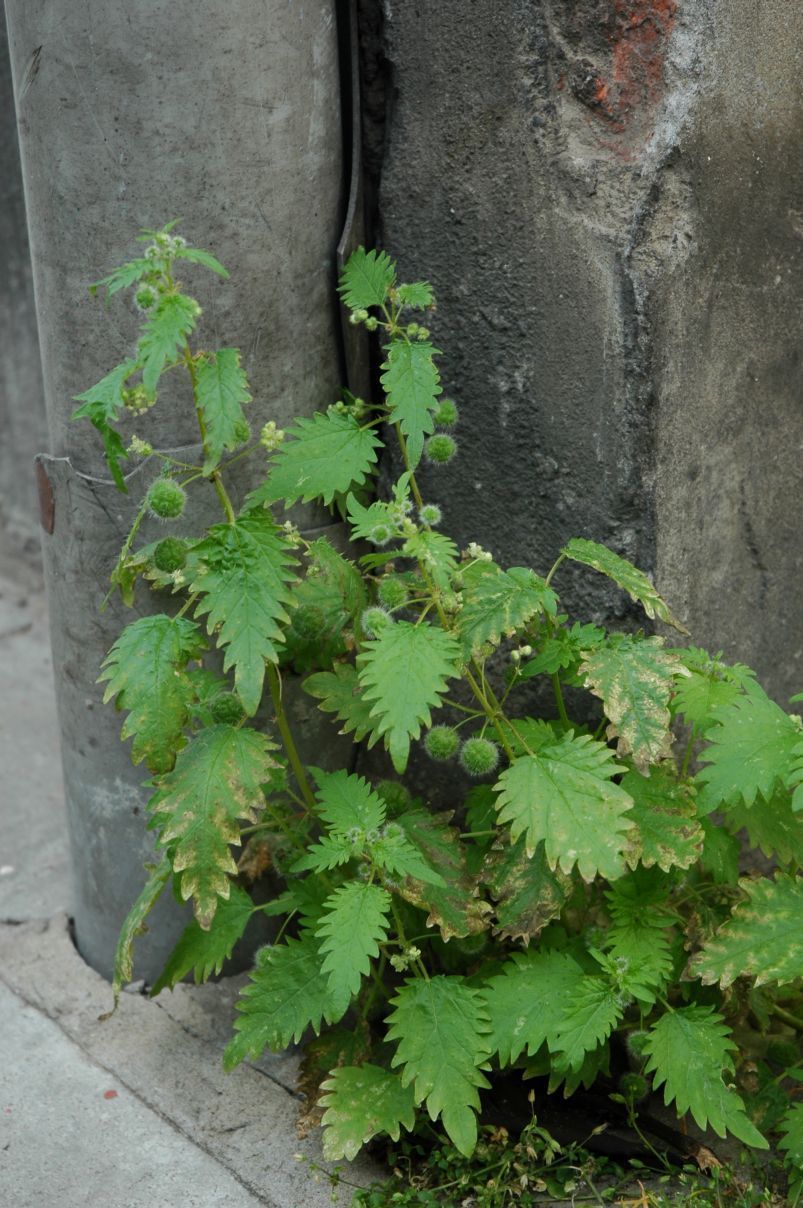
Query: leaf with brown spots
{"points": [[217, 780], [456, 907], [666, 830], [624, 574], [527, 892], [634, 678], [762, 939]]}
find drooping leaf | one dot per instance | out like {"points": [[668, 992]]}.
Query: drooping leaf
{"points": [[634, 677], [527, 1001], [441, 1027], [773, 826], [242, 572], [595, 1062], [350, 931], [287, 993], [340, 692], [323, 608], [361, 1101], [455, 907], [417, 294], [323, 456], [763, 938], [202, 953], [666, 830], [221, 391], [590, 1013], [527, 892], [134, 925], [127, 274], [366, 279], [752, 749], [720, 854], [101, 405], [498, 602], [146, 672], [624, 575], [198, 256], [216, 781], [403, 672], [564, 796], [411, 382], [169, 323], [687, 1051]]}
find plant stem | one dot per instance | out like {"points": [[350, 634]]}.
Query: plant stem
{"points": [[217, 481], [275, 685], [562, 714], [794, 1021]]}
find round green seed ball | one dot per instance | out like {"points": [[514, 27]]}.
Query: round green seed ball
{"points": [[441, 742], [392, 592], [479, 756], [226, 709], [308, 620], [374, 620], [165, 499], [446, 414], [440, 448], [170, 555]]}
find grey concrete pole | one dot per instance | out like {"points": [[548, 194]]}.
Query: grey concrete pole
{"points": [[225, 115], [607, 199], [22, 408]]}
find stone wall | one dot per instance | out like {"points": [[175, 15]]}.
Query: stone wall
{"points": [[607, 197]]}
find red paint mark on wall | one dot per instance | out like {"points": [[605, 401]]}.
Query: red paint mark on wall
{"points": [[625, 94], [110, 1094]]}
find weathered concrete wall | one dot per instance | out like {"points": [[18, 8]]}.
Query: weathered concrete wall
{"points": [[603, 194], [22, 407], [225, 115]]}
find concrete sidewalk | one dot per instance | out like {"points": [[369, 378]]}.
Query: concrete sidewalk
{"points": [[135, 1111]]}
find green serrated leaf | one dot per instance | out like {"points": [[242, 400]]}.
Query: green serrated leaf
{"points": [[773, 826], [666, 830], [455, 906], [287, 993], [242, 572], [322, 457], [564, 796], [709, 686], [791, 1142], [639, 935], [346, 801], [752, 749], [351, 930], [366, 279], [437, 553], [146, 672], [359, 1102], [324, 605], [624, 574], [101, 405], [762, 939], [687, 1051], [221, 391], [527, 892], [526, 1002], [498, 602], [417, 294], [134, 925], [590, 1013], [340, 692], [202, 953], [403, 673], [216, 781], [198, 256], [720, 854], [411, 382], [563, 652], [127, 274], [634, 678], [441, 1027], [166, 330]]}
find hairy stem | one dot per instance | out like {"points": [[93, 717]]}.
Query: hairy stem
{"points": [[275, 685]]}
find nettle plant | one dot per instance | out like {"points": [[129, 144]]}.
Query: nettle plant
{"points": [[582, 895]]}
